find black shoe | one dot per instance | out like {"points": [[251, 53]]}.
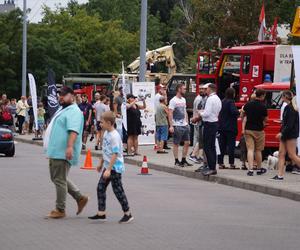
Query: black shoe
{"points": [[296, 170], [178, 164], [98, 217], [250, 173], [186, 164], [202, 168], [83, 147], [92, 138], [277, 178], [126, 219], [167, 148], [261, 171], [96, 148], [209, 172]]}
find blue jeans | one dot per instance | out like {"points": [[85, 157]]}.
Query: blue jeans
{"points": [[162, 133], [209, 143]]}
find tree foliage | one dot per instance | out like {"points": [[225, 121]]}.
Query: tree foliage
{"points": [[97, 36]]}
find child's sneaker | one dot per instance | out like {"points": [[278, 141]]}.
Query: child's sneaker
{"points": [[98, 217], [126, 219]]}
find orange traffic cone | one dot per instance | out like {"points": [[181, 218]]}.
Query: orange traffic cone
{"points": [[88, 163], [145, 169]]}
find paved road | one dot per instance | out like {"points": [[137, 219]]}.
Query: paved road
{"points": [[171, 212]]}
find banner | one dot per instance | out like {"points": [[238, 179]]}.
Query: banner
{"points": [[123, 108], [283, 63], [52, 101], [32, 86], [296, 54], [146, 91]]}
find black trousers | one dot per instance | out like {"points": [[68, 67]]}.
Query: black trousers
{"points": [[116, 183], [21, 120], [209, 143], [227, 142]]}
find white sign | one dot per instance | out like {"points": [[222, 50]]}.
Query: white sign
{"points": [[34, 98], [283, 63], [123, 107], [146, 91], [255, 71], [296, 52]]}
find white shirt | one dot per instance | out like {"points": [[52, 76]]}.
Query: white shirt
{"points": [[282, 109], [178, 106], [195, 105], [212, 109], [157, 100]]}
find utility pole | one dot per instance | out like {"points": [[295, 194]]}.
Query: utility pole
{"points": [[24, 50], [143, 40]]}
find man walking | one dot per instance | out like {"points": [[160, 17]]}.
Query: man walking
{"points": [[63, 146], [100, 108], [210, 117], [178, 120], [256, 117]]}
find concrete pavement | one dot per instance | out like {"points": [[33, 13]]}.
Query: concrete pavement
{"points": [[171, 212], [289, 188]]}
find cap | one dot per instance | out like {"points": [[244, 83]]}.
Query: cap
{"points": [[205, 86], [65, 90], [131, 96]]}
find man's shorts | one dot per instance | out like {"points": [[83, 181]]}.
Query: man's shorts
{"points": [[196, 134], [181, 134], [162, 133], [255, 140]]}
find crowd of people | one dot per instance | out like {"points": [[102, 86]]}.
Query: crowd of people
{"points": [[214, 122]]}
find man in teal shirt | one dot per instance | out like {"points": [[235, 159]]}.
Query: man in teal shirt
{"points": [[63, 146]]}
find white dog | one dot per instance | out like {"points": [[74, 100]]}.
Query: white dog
{"points": [[273, 161]]}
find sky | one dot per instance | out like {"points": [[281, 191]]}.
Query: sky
{"points": [[36, 6]]}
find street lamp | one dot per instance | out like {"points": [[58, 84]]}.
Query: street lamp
{"points": [[24, 49], [143, 40]]}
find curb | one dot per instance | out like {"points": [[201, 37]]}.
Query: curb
{"points": [[189, 174]]}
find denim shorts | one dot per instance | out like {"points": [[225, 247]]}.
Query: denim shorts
{"points": [[162, 133], [181, 134]]}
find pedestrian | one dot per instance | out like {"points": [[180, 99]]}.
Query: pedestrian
{"points": [[13, 110], [6, 115], [30, 115], [288, 135], [113, 167], [134, 123], [41, 119], [255, 113], [107, 103], [22, 107], [63, 146], [161, 120], [86, 109], [3, 98], [179, 125], [228, 128], [199, 104], [93, 119], [100, 108], [210, 118]]}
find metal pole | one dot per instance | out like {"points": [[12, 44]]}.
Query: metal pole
{"points": [[143, 40], [24, 50]]}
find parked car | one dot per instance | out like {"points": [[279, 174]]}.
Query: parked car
{"points": [[7, 145]]}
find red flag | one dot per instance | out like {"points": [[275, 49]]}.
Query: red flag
{"points": [[262, 20], [274, 32]]}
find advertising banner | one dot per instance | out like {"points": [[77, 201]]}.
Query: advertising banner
{"points": [[296, 52], [283, 63], [146, 91], [53, 104], [32, 86]]}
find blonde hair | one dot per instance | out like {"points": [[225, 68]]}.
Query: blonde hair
{"points": [[109, 116]]}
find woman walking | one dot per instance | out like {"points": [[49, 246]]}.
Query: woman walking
{"points": [[228, 128], [134, 123], [288, 135]]}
